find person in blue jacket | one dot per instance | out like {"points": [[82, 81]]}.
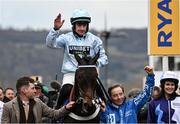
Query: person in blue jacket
{"points": [[120, 110], [166, 108], [80, 41]]}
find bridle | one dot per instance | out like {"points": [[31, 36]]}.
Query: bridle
{"points": [[97, 102], [81, 92]]}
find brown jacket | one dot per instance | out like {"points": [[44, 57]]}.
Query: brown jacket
{"points": [[11, 111]]}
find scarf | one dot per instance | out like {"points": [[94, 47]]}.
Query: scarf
{"points": [[22, 117]]}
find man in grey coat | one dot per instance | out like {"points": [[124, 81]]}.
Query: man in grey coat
{"points": [[25, 108]]}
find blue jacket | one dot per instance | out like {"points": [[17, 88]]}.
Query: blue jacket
{"points": [[90, 44], [163, 111], [127, 112]]}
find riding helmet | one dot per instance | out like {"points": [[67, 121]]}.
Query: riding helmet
{"points": [[80, 15]]}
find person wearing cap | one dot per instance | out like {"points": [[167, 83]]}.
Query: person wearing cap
{"points": [[166, 108], [80, 41], [40, 92]]}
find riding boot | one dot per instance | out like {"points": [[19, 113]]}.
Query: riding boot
{"points": [[64, 95], [100, 93]]}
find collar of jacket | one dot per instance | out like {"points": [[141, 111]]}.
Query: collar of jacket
{"points": [[117, 106]]}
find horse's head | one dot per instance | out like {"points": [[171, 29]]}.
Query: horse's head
{"points": [[87, 60], [86, 82]]}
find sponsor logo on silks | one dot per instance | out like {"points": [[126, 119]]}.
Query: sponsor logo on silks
{"points": [[79, 50]]}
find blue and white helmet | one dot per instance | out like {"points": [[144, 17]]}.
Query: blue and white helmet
{"points": [[169, 75], [80, 15]]}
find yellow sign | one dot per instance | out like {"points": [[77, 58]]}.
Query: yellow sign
{"points": [[164, 35]]}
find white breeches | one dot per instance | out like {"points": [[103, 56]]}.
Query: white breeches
{"points": [[68, 78]]}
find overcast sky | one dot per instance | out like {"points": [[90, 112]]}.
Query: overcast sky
{"points": [[39, 14]]}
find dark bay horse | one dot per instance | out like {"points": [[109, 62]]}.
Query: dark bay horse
{"points": [[85, 92]]}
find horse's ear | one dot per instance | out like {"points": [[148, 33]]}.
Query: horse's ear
{"points": [[78, 59], [94, 60]]}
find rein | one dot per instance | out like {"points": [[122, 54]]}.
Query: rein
{"points": [[100, 83]]}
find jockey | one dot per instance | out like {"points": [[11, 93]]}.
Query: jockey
{"points": [[80, 40]]}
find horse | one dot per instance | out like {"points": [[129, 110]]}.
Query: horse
{"points": [[85, 92]]}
